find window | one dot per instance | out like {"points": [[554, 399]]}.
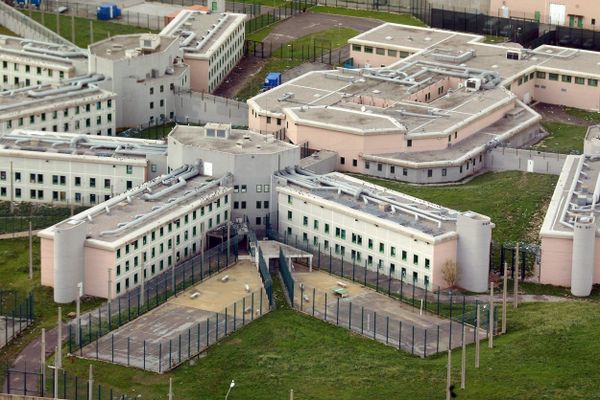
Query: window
{"points": [[244, 189], [393, 251], [355, 163], [18, 193], [92, 182], [380, 51], [326, 228], [540, 75], [415, 259], [429, 173], [404, 171], [258, 204], [368, 50], [404, 255], [289, 215], [107, 184], [553, 77], [392, 169], [404, 54], [409, 143], [392, 53], [381, 248], [593, 82], [265, 204], [566, 78], [367, 165], [427, 263], [379, 167], [129, 169], [415, 276], [266, 188], [370, 244], [444, 171], [257, 220], [268, 120], [520, 81], [356, 47], [579, 81], [342, 160]]}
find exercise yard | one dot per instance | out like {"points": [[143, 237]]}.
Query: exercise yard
{"points": [[187, 324], [377, 316]]}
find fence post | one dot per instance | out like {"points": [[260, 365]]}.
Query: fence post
{"points": [[325, 306], [160, 357], [387, 329], [313, 301], [413, 340], [425, 343], [362, 320], [374, 325], [337, 312], [144, 355]]}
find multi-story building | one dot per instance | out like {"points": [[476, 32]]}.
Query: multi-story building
{"points": [[25, 62], [398, 235], [112, 246], [212, 44], [432, 116], [70, 169], [145, 71], [76, 105], [573, 13], [570, 255], [252, 158]]}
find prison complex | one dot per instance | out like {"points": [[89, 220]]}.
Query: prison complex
{"points": [[425, 105]]}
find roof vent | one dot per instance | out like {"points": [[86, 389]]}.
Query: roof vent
{"points": [[388, 38]]}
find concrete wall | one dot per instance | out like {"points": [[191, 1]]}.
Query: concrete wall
{"points": [[26, 27], [321, 162], [506, 158], [527, 8], [200, 108]]}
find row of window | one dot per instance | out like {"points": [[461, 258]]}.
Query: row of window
{"points": [[177, 224], [17, 67], [556, 77], [62, 179], [57, 195], [356, 256], [242, 205], [379, 51], [356, 239], [244, 188]]}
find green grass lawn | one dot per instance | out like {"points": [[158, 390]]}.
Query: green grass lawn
{"points": [[6, 31], [492, 39], [549, 353], [309, 46], [260, 26], [564, 138], [582, 114], [14, 273], [515, 201], [405, 19], [272, 65], [102, 29]]}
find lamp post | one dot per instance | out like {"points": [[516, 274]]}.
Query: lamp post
{"points": [[231, 385]]}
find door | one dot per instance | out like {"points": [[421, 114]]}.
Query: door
{"points": [[557, 14], [571, 21], [580, 21], [530, 164], [537, 16]]}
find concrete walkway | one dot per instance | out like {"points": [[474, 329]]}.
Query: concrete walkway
{"points": [[14, 235]]}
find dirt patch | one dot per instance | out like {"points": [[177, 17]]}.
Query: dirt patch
{"points": [[554, 113], [239, 77]]}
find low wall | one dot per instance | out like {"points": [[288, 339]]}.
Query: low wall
{"points": [[200, 108], [26, 27], [507, 158]]}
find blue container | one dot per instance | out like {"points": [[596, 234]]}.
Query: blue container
{"points": [[272, 80], [107, 11], [35, 3]]}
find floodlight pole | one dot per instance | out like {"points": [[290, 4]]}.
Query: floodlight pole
{"points": [[491, 314], [58, 361]]}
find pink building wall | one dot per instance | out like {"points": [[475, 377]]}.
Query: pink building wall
{"points": [[527, 8], [47, 261], [360, 58], [198, 74], [557, 257], [97, 263], [569, 94], [442, 252]]}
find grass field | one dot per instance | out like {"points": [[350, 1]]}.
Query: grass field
{"points": [[309, 46], [515, 201], [564, 138], [102, 29], [14, 274], [5, 31], [582, 114], [274, 64], [287, 350], [405, 19]]}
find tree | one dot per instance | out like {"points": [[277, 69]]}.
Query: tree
{"points": [[450, 273]]}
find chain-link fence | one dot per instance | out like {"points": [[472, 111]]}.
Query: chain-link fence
{"points": [[181, 343], [156, 291], [16, 314]]}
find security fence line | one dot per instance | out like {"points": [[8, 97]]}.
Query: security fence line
{"points": [[182, 345], [119, 311], [401, 334], [16, 314], [14, 224]]}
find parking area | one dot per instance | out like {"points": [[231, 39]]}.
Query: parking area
{"points": [[185, 325]]}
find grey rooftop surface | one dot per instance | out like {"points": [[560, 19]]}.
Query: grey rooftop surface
{"points": [[82, 145], [239, 141], [399, 208], [130, 206], [114, 48], [32, 49], [204, 25]]}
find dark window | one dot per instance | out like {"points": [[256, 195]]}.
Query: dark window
{"points": [[342, 160]]}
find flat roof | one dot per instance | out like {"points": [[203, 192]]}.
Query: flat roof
{"points": [[121, 46], [239, 141], [33, 51], [131, 214], [359, 196], [575, 196], [104, 147], [201, 32], [33, 97]]}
